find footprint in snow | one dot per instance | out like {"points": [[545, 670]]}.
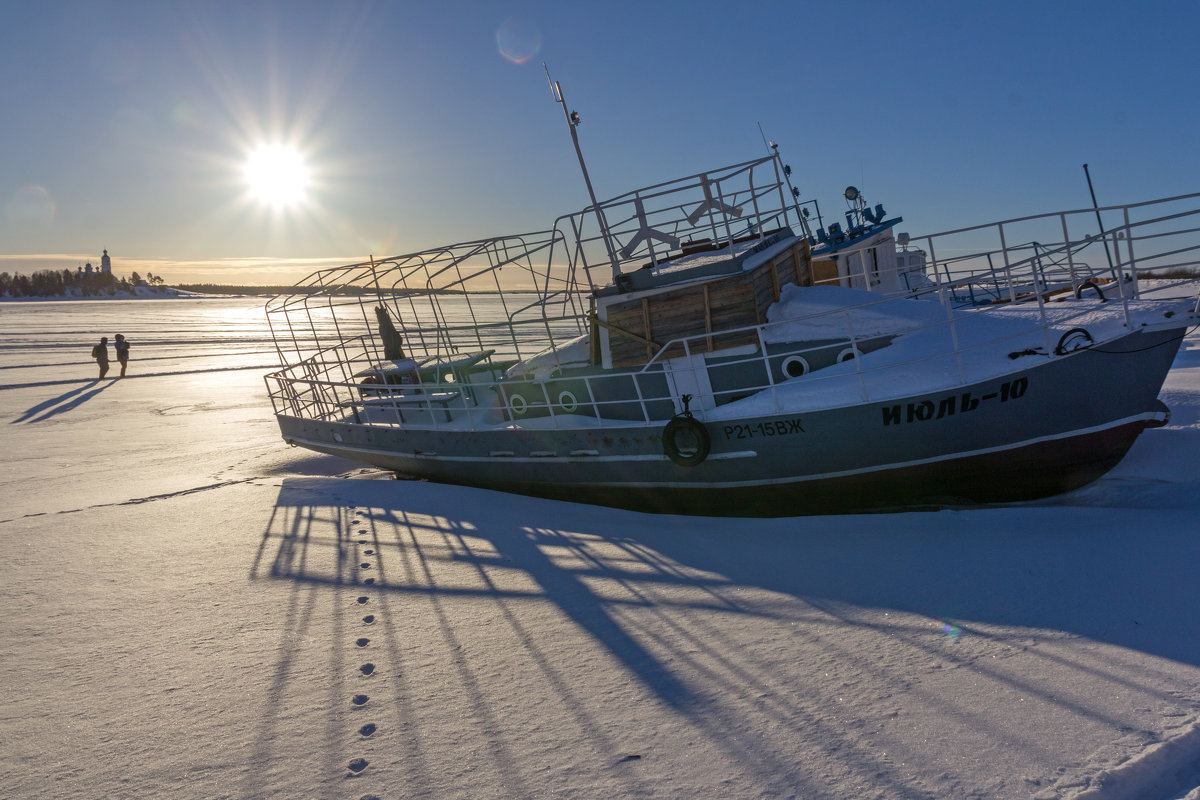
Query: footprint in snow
{"points": [[368, 729], [358, 765], [369, 618], [360, 699], [368, 552], [362, 600], [369, 581], [363, 642], [367, 669]]}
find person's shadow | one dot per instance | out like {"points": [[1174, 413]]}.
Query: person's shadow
{"points": [[66, 401]]}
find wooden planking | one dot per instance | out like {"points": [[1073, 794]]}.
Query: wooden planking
{"points": [[824, 272], [686, 312], [802, 263], [708, 316], [694, 311]]}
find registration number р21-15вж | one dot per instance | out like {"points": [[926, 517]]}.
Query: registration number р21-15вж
{"points": [[783, 427]]}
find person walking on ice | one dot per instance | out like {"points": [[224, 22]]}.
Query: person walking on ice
{"points": [[122, 348], [100, 353]]}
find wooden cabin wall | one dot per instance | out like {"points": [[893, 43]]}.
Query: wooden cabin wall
{"points": [[680, 313], [825, 272], [738, 301]]}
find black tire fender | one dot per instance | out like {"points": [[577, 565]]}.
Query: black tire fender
{"points": [[686, 441]]}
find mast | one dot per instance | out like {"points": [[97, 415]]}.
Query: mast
{"points": [[572, 122], [773, 148]]}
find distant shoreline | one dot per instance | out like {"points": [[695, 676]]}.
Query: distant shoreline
{"points": [[230, 289], [159, 293], [165, 293]]}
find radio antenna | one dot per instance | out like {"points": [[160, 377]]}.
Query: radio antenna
{"points": [[1100, 222]]}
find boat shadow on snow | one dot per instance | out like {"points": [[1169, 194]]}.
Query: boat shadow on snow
{"points": [[1107, 574]]}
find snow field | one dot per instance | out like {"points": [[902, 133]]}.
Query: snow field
{"points": [[192, 609]]}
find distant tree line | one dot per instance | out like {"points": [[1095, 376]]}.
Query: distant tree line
{"points": [[224, 288], [62, 283], [221, 288]]}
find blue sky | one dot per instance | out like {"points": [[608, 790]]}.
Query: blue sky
{"points": [[127, 125]]}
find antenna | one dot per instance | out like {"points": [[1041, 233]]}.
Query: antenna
{"points": [[554, 90], [1100, 222], [572, 123], [766, 144], [773, 148]]}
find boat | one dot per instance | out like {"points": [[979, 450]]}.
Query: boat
{"points": [[710, 345]]}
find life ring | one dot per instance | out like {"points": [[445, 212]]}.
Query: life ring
{"points": [[1072, 340], [568, 402], [518, 404], [686, 441], [849, 354]]}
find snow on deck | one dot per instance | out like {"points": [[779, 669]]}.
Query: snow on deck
{"points": [[921, 358]]}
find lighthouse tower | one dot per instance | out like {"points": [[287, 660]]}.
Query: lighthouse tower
{"points": [[105, 264]]}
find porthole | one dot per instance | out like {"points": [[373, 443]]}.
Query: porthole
{"points": [[568, 402], [848, 354], [794, 367], [518, 405]]}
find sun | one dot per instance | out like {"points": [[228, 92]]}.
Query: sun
{"points": [[277, 175]]}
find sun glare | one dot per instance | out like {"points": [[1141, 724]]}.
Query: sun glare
{"points": [[277, 175]]}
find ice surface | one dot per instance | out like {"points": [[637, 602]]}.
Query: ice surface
{"points": [[184, 597]]}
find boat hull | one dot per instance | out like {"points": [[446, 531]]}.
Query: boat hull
{"points": [[1053, 426]]}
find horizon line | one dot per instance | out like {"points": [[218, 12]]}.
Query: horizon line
{"points": [[272, 269]]}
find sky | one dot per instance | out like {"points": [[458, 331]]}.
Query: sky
{"points": [[128, 126]]}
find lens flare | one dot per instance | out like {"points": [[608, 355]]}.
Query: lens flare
{"points": [[518, 40], [31, 207]]}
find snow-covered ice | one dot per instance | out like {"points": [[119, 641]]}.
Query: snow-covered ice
{"points": [[190, 609]]}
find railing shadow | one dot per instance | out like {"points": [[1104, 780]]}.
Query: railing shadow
{"points": [[1100, 573], [653, 591], [424, 554], [452, 557]]}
